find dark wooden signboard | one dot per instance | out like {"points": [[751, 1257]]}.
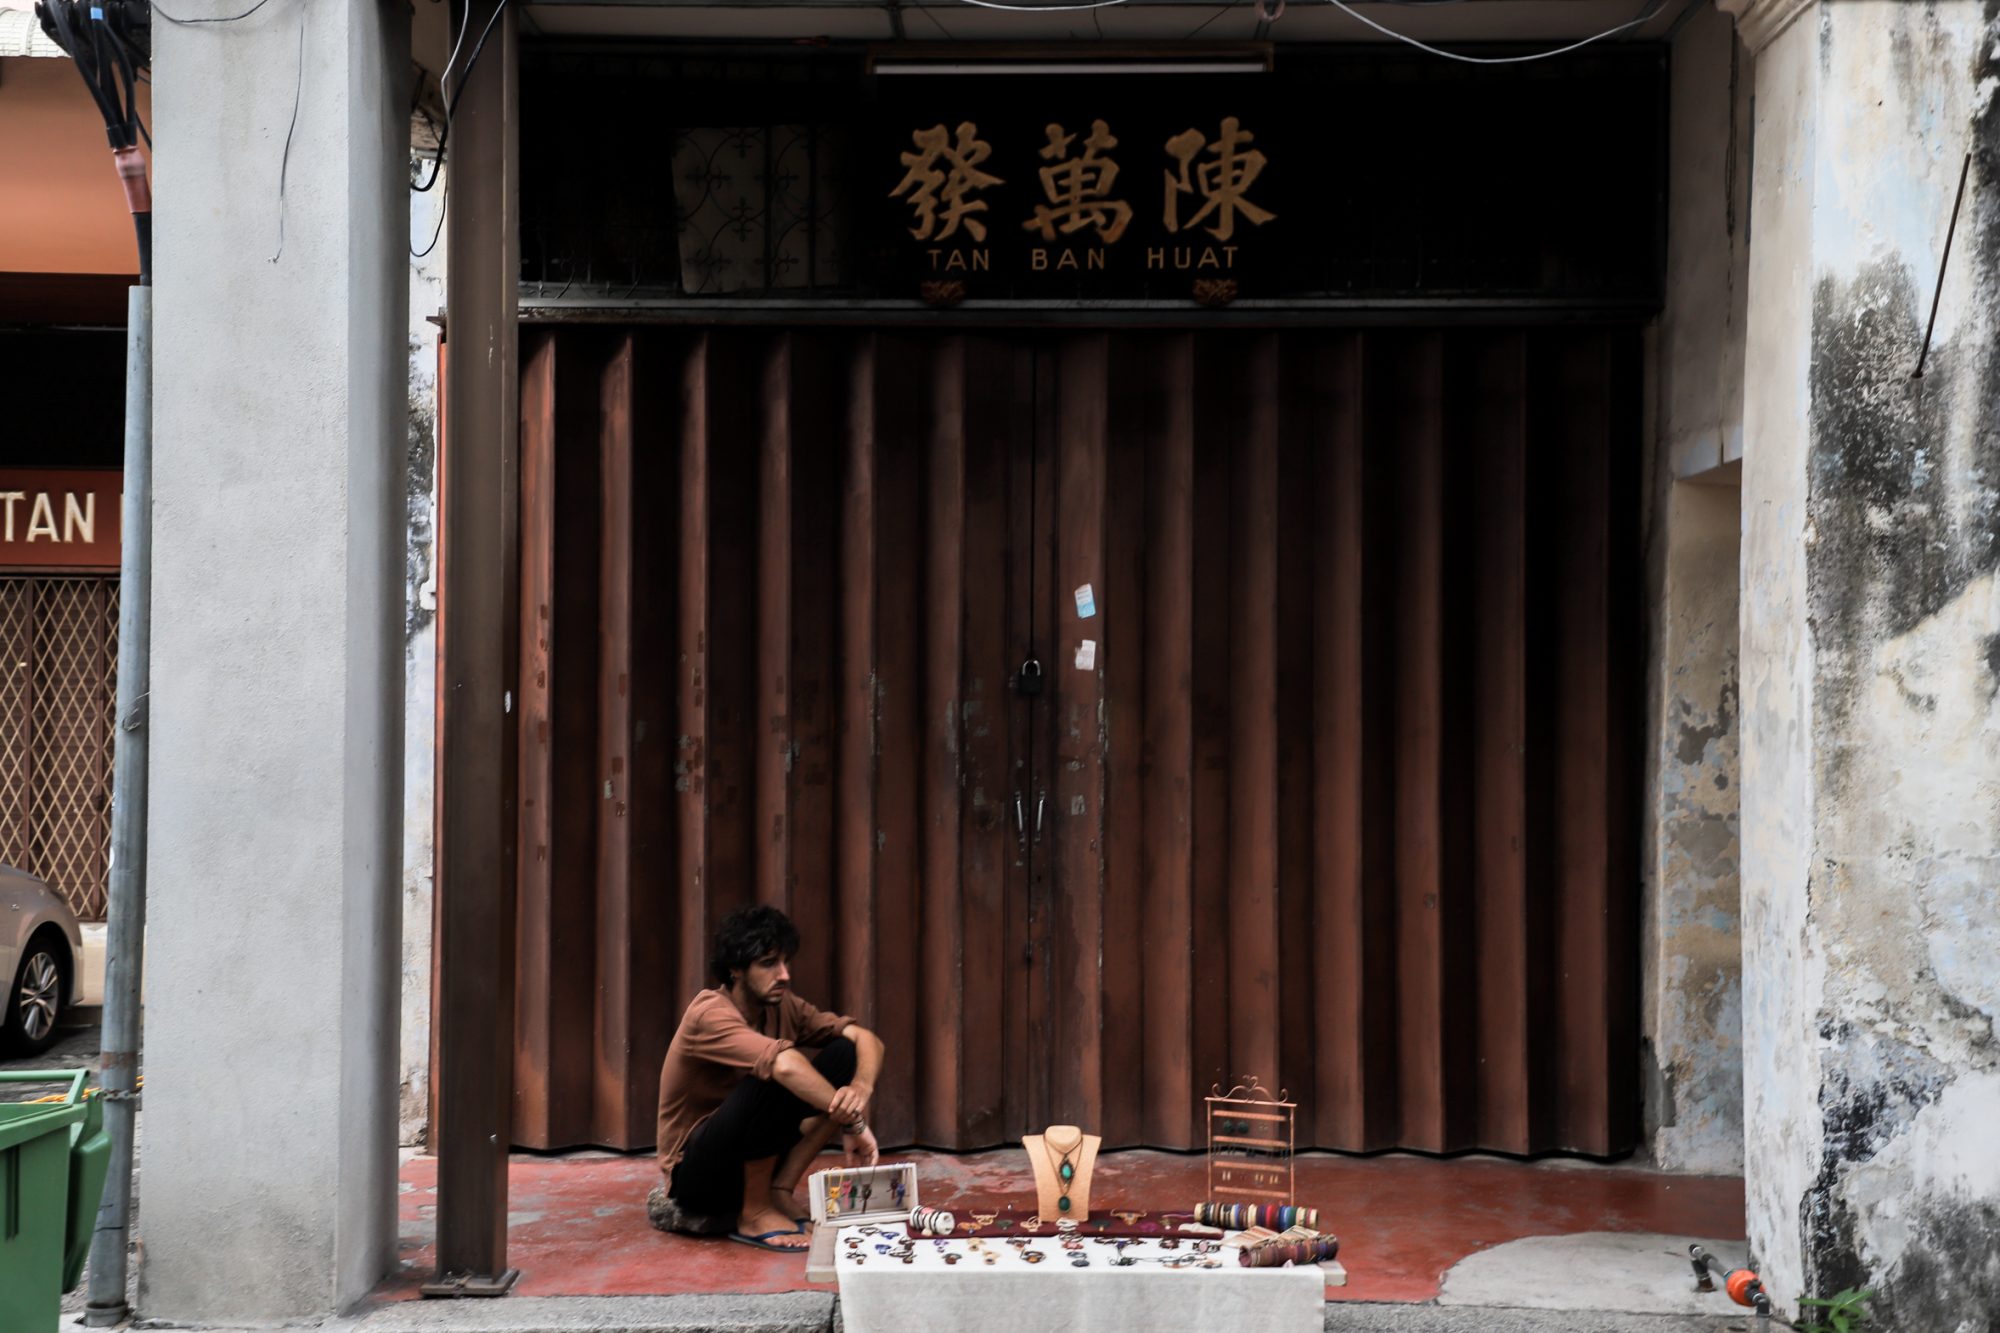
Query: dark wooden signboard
{"points": [[1081, 187], [59, 520], [1341, 175]]}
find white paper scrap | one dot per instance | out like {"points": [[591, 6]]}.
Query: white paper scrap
{"points": [[1086, 655], [1086, 602]]}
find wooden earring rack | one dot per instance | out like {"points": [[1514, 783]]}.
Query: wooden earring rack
{"points": [[1252, 1139]]}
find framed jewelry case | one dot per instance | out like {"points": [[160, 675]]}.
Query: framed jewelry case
{"points": [[885, 1192]]}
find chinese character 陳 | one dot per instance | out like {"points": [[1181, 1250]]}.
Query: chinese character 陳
{"points": [[1078, 188], [946, 172], [1221, 183]]}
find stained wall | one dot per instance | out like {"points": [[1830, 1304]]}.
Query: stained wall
{"points": [[1692, 1010], [1871, 663]]}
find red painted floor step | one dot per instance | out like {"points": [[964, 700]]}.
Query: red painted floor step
{"points": [[578, 1222]]}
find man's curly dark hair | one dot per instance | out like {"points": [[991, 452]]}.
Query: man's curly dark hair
{"points": [[750, 933]]}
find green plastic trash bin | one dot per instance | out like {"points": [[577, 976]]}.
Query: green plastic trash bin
{"points": [[53, 1157]]}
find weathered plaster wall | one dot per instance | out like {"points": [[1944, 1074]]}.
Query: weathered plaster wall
{"points": [[430, 45], [1781, 1068], [1693, 949], [420, 670], [1872, 664]]}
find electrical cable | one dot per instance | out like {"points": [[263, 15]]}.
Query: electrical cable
{"points": [[451, 98], [1045, 9], [1347, 9], [444, 202], [1651, 12], [451, 61], [926, 11], [1203, 25], [107, 45], [285, 161], [232, 18], [450, 110]]}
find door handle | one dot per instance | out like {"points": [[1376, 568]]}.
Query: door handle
{"points": [[1041, 804], [1021, 824]]}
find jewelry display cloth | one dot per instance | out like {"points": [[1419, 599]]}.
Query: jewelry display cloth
{"points": [[882, 1294], [1010, 1220]]}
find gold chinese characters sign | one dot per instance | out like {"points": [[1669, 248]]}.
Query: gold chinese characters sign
{"points": [[1094, 205]]}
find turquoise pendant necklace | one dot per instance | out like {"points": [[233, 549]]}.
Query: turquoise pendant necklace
{"points": [[1065, 1169]]}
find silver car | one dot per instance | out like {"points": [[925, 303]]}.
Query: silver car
{"points": [[41, 956]]}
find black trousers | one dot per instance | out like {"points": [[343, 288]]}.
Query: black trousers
{"points": [[759, 1119]]}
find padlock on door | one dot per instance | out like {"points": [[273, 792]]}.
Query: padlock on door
{"points": [[1028, 682]]}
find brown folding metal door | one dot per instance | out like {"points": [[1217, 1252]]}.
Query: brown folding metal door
{"points": [[1340, 796]]}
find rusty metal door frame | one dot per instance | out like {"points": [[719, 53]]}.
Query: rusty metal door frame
{"points": [[478, 573]]}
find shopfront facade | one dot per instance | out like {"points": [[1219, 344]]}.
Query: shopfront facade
{"points": [[1148, 582], [741, 495]]}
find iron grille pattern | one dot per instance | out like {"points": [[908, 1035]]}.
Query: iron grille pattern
{"points": [[58, 700], [750, 203]]}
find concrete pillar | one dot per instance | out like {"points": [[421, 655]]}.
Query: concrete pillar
{"points": [[1871, 659], [1693, 957], [269, 1123]]}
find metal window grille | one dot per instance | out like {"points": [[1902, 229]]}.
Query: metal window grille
{"points": [[747, 210], [58, 693]]}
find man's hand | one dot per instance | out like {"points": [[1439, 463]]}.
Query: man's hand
{"points": [[849, 1104], [861, 1149]]}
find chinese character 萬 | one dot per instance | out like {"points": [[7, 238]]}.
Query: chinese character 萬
{"points": [[945, 172], [1078, 188], [1221, 183]]}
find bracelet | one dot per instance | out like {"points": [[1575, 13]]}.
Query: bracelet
{"points": [[857, 1126]]}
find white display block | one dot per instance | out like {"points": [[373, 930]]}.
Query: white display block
{"points": [[882, 1294]]}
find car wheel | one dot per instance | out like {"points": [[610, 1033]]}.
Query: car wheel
{"points": [[35, 1002]]}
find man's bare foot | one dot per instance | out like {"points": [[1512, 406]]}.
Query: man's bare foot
{"points": [[787, 1202], [757, 1221]]}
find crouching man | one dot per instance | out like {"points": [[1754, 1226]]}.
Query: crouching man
{"points": [[755, 1084]]}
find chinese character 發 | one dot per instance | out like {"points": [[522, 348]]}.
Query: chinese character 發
{"points": [[946, 172], [1079, 187], [1221, 182]]}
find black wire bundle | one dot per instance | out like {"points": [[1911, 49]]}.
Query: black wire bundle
{"points": [[451, 94], [109, 41]]}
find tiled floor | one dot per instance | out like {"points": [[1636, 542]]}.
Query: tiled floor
{"points": [[578, 1223]]}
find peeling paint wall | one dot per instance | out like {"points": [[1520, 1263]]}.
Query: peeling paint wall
{"points": [[1871, 801], [1693, 948], [420, 673]]}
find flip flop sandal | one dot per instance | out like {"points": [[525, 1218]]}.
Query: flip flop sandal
{"points": [[763, 1242]]}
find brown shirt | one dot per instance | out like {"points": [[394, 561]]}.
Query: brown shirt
{"points": [[715, 1047]]}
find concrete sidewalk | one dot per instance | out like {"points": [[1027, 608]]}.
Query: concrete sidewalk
{"points": [[811, 1312]]}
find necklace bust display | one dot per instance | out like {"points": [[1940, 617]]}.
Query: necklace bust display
{"points": [[1061, 1157]]}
